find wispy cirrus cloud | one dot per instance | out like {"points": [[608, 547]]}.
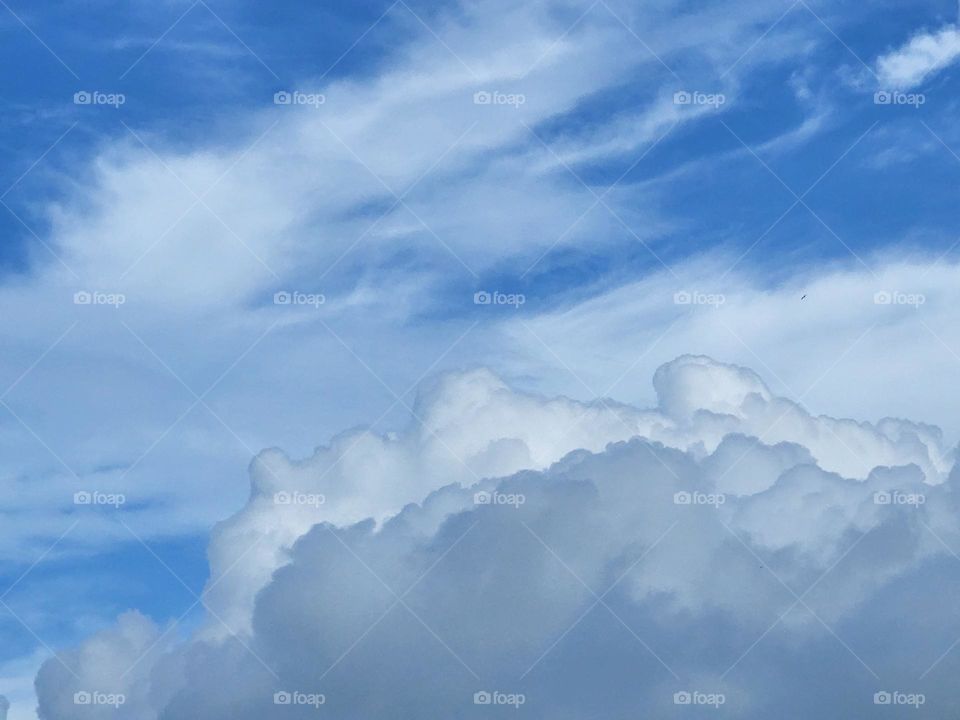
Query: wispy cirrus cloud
{"points": [[921, 57]]}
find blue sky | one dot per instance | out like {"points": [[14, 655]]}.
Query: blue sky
{"points": [[191, 88], [791, 167]]}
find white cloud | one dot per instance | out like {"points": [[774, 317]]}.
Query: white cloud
{"points": [[923, 55], [813, 349], [471, 426], [498, 584], [114, 665], [298, 201]]}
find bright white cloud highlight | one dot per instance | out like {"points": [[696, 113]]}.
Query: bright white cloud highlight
{"points": [[925, 54]]}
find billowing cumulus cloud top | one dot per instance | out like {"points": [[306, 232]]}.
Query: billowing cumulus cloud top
{"points": [[723, 548]]}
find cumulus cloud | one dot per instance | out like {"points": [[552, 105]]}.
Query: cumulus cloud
{"points": [[585, 559], [107, 674], [815, 349], [470, 426], [925, 54]]}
